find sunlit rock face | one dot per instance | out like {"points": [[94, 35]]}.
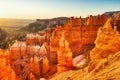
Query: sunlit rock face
{"points": [[104, 56], [45, 66], [63, 47], [73, 34], [95, 21], [26, 58], [107, 43], [39, 67], [35, 66], [6, 72], [80, 35], [89, 30], [65, 61], [54, 44]]}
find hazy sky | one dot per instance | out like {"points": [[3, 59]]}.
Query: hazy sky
{"points": [[32, 9]]}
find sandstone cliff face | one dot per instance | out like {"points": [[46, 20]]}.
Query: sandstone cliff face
{"points": [[106, 43], [72, 29], [73, 34], [6, 72], [54, 44], [95, 21], [64, 54], [105, 58], [80, 36]]}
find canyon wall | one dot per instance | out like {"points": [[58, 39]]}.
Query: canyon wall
{"points": [[105, 56], [106, 43], [80, 35], [57, 49]]}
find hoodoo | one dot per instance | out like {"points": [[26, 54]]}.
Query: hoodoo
{"points": [[62, 48], [64, 55]]}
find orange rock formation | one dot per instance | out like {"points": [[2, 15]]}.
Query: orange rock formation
{"points": [[80, 36], [27, 58], [6, 72], [35, 66], [46, 53], [95, 21], [106, 43], [104, 56], [65, 61]]}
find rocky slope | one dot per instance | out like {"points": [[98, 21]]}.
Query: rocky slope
{"points": [[107, 69], [105, 58]]}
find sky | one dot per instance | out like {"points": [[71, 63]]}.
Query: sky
{"points": [[33, 9]]}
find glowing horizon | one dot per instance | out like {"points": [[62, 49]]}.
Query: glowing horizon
{"points": [[33, 9]]}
